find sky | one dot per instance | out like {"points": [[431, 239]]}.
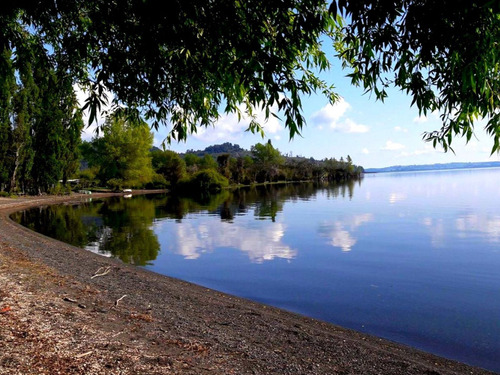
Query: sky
{"points": [[375, 134]]}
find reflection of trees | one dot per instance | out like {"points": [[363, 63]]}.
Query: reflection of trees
{"points": [[124, 227], [121, 227], [267, 201], [129, 235], [176, 207], [268, 207], [61, 222], [341, 189]]}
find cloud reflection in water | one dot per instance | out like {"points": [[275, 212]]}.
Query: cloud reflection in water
{"points": [[261, 244], [341, 232]]}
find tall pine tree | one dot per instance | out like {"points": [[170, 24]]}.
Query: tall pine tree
{"points": [[40, 122], [7, 85]]}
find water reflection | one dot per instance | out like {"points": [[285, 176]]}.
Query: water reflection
{"points": [[128, 228], [396, 197], [115, 227], [437, 231], [341, 233], [260, 244], [487, 226]]}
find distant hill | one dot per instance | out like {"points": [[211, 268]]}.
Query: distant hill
{"points": [[224, 148], [434, 167]]}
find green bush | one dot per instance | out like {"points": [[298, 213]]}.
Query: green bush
{"points": [[207, 180], [115, 184], [87, 179], [158, 182], [59, 189]]}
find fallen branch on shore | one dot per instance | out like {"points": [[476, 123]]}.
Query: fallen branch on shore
{"points": [[84, 354], [103, 271], [119, 299]]}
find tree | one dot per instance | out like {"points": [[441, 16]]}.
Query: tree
{"points": [[183, 64], [443, 53], [56, 131], [191, 159], [6, 94], [130, 236], [24, 108], [122, 154], [223, 162], [267, 160], [39, 121], [205, 181], [170, 165], [208, 162]]}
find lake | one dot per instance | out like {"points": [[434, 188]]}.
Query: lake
{"points": [[411, 257]]}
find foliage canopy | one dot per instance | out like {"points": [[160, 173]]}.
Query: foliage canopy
{"points": [[179, 66], [183, 63], [444, 54]]}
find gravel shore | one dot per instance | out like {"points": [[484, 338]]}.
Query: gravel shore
{"points": [[58, 317]]}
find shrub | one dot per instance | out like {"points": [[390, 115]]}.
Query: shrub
{"points": [[87, 178], [207, 180], [59, 189], [158, 182], [115, 184]]}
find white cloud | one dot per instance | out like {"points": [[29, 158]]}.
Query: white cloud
{"points": [[332, 116], [227, 127], [423, 119], [392, 146], [420, 119], [342, 238], [437, 231], [428, 149], [349, 126], [331, 113], [365, 151], [400, 129]]}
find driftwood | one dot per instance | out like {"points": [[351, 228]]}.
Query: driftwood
{"points": [[84, 354], [119, 299], [101, 272]]}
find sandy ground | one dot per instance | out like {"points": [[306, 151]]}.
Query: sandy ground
{"points": [[57, 317]]}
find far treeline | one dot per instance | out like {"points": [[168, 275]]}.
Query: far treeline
{"points": [[42, 152], [124, 157]]}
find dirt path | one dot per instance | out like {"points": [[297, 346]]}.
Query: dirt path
{"points": [[56, 318]]}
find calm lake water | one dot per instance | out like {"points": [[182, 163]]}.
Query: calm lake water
{"points": [[412, 257]]}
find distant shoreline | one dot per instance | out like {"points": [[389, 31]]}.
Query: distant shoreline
{"points": [[434, 167]]}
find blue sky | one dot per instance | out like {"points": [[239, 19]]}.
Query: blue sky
{"points": [[373, 133]]}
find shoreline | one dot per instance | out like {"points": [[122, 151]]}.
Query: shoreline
{"points": [[61, 318]]}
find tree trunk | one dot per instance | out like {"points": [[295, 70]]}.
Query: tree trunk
{"points": [[13, 182]]}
